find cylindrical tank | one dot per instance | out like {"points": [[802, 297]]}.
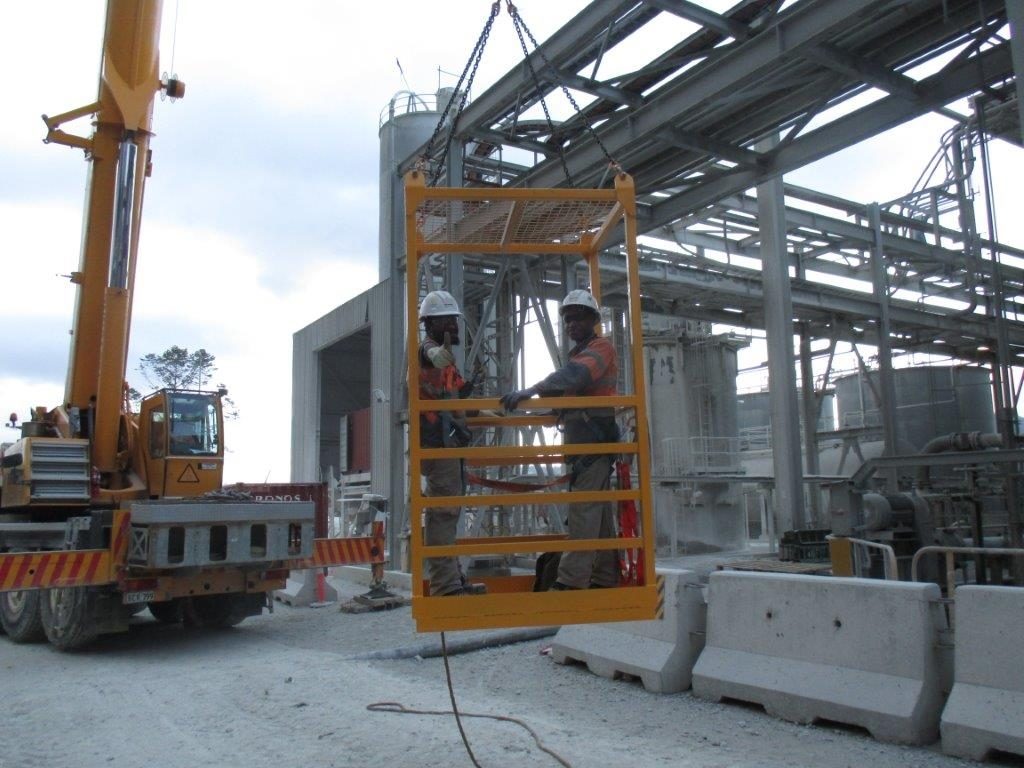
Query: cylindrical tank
{"points": [[692, 386], [664, 360], [753, 411], [711, 368], [407, 122], [930, 401]]}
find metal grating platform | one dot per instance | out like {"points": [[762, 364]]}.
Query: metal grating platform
{"points": [[511, 221]]}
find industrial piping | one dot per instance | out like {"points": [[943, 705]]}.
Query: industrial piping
{"points": [[955, 441]]}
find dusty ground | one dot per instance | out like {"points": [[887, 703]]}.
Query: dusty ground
{"points": [[282, 691]]}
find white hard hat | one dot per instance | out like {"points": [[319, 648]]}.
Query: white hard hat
{"points": [[439, 304], [579, 298]]}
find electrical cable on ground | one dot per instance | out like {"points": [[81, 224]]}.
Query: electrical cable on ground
{"points": [[455, 707], [460, 645], [401, 709]]}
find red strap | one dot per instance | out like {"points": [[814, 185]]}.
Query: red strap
{"points": [[631, 563], [511, 485]]}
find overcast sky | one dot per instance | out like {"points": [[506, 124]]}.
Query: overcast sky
{"points": [[261, 214]]}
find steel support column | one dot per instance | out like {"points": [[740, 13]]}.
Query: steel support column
{"points": [[1015, 14], [1002, 369], [810, 410], [778, 310], [886, 383]]}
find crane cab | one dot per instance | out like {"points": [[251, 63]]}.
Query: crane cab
{"points": [[180, 440]]}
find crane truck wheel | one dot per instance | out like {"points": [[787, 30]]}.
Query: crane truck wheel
{"points": [[220, 611], [67, 620], [167, 612], [19, 615]]}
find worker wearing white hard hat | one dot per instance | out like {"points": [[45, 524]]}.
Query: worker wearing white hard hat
{"points": [[439, 304], [592, 369], [440, 380]]}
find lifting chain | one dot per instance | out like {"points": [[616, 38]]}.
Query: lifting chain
{"points": [[521, 27], [460, 94]]}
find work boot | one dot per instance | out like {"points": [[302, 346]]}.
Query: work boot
{"points": [[560, 587], [466, 589], [473, 589]]}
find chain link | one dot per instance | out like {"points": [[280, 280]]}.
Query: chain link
{"points": [[519, 25], [460, 94], [517, 20]]}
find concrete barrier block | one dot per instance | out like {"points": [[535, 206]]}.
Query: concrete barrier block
{"points": [[985, 710], [300, 590], [660, 652], [857, 651]]}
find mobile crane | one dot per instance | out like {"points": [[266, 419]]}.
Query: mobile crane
{"points": [[102, 510]]}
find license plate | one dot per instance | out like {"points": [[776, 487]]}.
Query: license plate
{"points": [[131, 598]]}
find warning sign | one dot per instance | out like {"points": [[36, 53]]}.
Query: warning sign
{"points": [[189, 475]]}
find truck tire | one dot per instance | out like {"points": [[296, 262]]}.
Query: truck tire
{"points": [[67, 620], [220, 611], [19, 615], [167, 612]]}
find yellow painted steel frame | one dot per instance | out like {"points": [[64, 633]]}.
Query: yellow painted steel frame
{"points": [[507, 222]]}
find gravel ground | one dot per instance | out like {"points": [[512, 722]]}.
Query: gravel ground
{"points": [[283, 690]]}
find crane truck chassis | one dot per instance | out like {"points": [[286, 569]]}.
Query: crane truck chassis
{"points": [[104, 510], [206, 562]]}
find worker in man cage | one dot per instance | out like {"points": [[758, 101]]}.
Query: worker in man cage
{"points": [[440, 380], [592, 369]]}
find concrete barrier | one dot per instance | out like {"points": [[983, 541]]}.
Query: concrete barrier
{"points": [[985, 710], [301, 589], [660, 652], [857, 651]]}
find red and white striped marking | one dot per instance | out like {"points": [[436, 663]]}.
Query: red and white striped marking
{"points": [[119, 534], [38, 570], [328, 552]]}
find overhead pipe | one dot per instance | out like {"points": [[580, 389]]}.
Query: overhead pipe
{"points": [[955, 441]]}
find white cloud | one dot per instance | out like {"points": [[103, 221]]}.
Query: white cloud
{"points": [[41, 247], [51, 55], [20, 395], [203, 288]]}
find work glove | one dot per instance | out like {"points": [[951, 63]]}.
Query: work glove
{"points": [[440, 357], [479, 374], [511, 400], [474, 382]]}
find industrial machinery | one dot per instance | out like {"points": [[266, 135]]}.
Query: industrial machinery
{"points": [[103, 511], [945, 514]]}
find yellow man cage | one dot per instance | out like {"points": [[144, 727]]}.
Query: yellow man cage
{"points": [[507, 222]]}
